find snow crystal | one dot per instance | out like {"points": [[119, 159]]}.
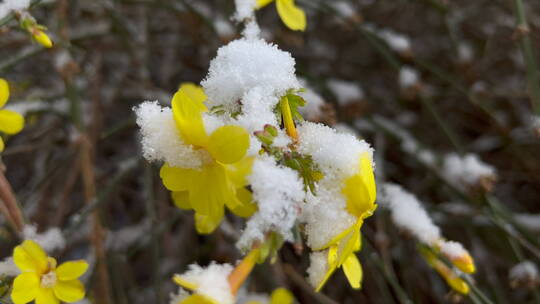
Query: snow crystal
{"points": [[258, 109], [408, 77], [524, 271], [452, 250], [176, 298], [252, 31], [161, 139], [408, 213], [244, 9], [346, 92], [278, 192], [8, 268], [211, 281], [465, 171], [243, 65], [345, 129], [336, 154], [12, 5], [49, 240], [325, 214], [318, 267]]}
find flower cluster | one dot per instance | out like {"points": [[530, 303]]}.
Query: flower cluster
{"points": [[239, 141]]}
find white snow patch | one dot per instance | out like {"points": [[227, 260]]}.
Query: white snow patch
{"points": [[279, 193], [337, 154], [465, 171], [49, 240], [318, 267], [8, 268], [7, 6], [161, 140], [408, 77], [244, 65], [244, 9], [525, 271], [407, 213], [325, 214], [346, 92], [211, 281]]}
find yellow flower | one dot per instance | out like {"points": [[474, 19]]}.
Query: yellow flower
{"points": [[42, 281], [360, 193], [222, 179], [279, 296], [463, 261], [451, 278], [42, 38], [10, 122], [293, 17]]}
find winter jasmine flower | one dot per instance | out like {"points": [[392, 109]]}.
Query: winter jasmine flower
{"points": [[42, 281]]}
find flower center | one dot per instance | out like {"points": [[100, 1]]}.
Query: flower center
{"points": [[48, 280]]}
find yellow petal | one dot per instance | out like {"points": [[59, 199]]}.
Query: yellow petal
{"points": [[4, 92], [188, 117], [368, 178], [228, 144], [348, 245], [180, 281], [46, 296], [25, 288], [262, 3], [206, 224], [29, 256], [198, 299], [11, 122], [331, 266], [1, 144], [335, 240], [69, 291], [247, 207], [176, 179], [293, 17], [181, 199], [281, 296], [194, 91], [360, 190], [43, 39], [353, 271], [464, 263], [207, 200], [239, 171], [458, 284], [71, 270]]}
